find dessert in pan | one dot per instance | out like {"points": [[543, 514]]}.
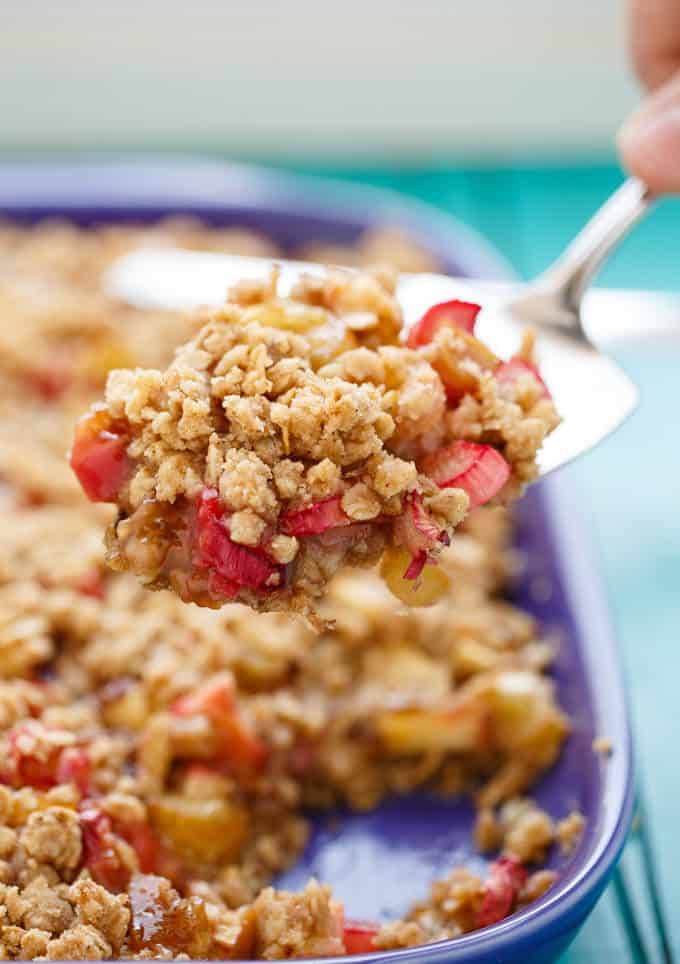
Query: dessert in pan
{"points": [[158, 760]]}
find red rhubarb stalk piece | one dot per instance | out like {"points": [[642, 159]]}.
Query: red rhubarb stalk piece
{"points": [[100, 853], [416, 566], [416, 532], [454, 314], [480, 470], [99, 456], [316, 518], [358, 935], [240, 565], [74, 766], [91, 584], [506, 878], [511, 370], [28, 765], [141, 838], [154, 856], [238, 747]]}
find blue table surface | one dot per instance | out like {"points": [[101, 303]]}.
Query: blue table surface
{"points": [[629, 485]]}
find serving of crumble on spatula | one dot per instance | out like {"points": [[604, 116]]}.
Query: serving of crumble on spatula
{"points": [[295, 435]]}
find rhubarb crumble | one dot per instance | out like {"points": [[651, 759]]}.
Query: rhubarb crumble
{"points": [[293, 436], [159, 762]]}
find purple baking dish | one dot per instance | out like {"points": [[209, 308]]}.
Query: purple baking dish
{"points": [[379, 862]]}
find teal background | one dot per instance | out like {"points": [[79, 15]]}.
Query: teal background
{"points": [[629, 486]]}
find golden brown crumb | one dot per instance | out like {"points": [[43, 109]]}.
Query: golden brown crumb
{"points": [[603, 745], [297, 925], [528, 831], [569, 830], [537, 884], [52, 837]]}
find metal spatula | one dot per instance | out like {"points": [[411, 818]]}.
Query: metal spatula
{"points": [[593, 395]]}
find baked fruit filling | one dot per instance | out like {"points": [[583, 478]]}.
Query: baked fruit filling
{"points": [[293, 436]]}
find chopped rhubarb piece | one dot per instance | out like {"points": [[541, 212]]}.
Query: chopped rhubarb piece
{"points": [[143, 841], [51, 382], [506, 878], [91, 584], [99, 456], [153, 855], [221, 588], [416, 565], [511, 370], [416, 532], [25, 765], [28, 764], [238, 747], [455, 314], [316, 518], [357, 936], [235, 563], [478, 469], [213, 699], [75, 766], [100, 851]]}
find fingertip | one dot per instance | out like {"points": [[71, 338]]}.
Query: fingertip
{"points": [[649, 145]]}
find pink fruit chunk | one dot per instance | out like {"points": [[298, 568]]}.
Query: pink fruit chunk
{"points": [[235, 563], [141, 838], [455, 314], [480, 470], [213, 699], [316, 518], [100, 851], [24, 764], [237, 746], [416, 566], [99, 456], [91, 584], [511, 370], [506, 878], [27, 764], [74, 766], [416, 532], [358, 935]]}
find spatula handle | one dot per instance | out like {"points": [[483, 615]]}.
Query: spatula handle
{"points": [[571, 274]]}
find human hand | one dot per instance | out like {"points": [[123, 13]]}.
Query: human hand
{"points": [[649, 141]]}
